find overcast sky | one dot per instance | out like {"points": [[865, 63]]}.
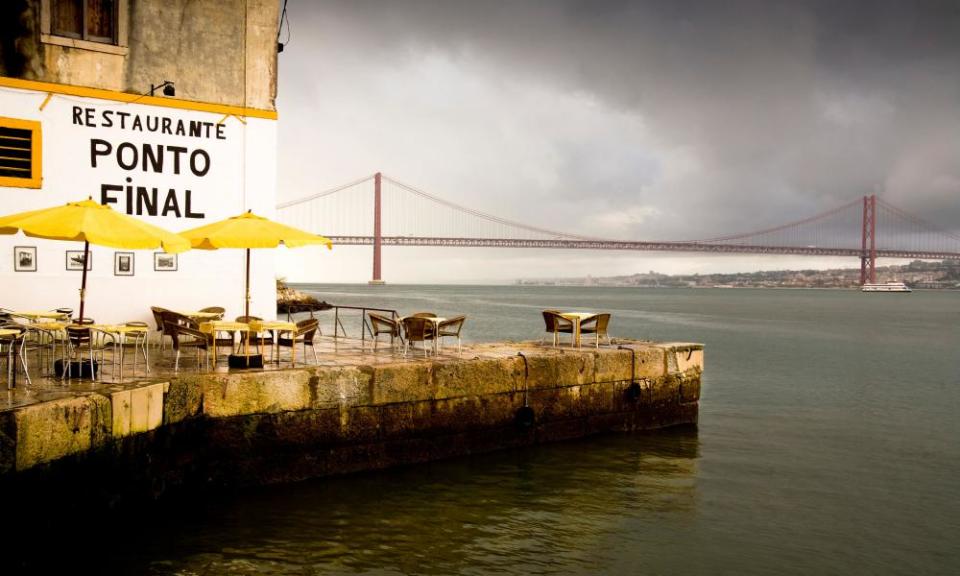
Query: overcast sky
{"points": [[638, 120]]}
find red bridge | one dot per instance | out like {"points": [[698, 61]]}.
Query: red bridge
{"points": [[867, 228]]}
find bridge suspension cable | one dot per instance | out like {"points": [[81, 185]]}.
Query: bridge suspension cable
{"points": [[410, 216]]}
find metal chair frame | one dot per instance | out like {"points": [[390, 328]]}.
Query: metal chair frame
{"points": [[451, 327], [305, 333], [417, 329], [556, 324], [381, 324]]}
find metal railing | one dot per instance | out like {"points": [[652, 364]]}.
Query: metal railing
{"points": [[340, 331], [365, 327]]}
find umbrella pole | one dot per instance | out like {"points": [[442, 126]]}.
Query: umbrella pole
{"points": [[83, 281], [247, 309], [246, 346]]}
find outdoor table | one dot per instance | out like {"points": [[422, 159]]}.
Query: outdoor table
{"points": [[576, 318], [275, 327], [435, 320], [215, 326], [35, 316], [118, 333], [11, 357], [202, 316]]}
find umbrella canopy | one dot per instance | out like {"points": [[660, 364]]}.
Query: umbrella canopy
{"points": [[250, 231], [92, 223], [87, 221]]}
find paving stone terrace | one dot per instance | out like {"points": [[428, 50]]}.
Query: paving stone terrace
{"points": [[354, 409]]}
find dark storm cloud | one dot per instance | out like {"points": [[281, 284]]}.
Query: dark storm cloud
{"points": [[778, 109]]}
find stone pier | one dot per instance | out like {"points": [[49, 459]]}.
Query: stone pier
{"points": [[351, 412]]}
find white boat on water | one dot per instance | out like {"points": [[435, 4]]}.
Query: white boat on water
{"points": [[887, 287]]}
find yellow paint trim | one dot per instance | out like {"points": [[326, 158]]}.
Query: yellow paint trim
{"points": [[36, 157], [99, 93]]}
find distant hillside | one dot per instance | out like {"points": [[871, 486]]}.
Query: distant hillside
{"points": [[917, 274]]}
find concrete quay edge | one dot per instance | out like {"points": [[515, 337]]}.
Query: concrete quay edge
{"points": [[373, 403]]}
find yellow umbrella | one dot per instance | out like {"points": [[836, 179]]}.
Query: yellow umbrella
{"points": [[92, 223], [250, 231]]}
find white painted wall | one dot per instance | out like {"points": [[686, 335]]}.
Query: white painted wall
{"points": [[242, 175]]}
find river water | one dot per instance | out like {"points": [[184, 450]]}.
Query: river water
{"points": [[829, 443]]}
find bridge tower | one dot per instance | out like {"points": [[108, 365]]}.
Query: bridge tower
{"points": [[868, 247], [377, 236]]}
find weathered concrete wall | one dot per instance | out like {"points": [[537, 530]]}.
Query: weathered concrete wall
{"points": [[264, 427], [216, 51]]}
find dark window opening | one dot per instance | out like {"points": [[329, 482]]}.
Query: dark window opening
{"points": [[92, 20], [16, 153]]}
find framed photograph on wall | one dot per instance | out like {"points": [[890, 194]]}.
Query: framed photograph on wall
{"points": [[25, 258], [123, 263], [75, 260], [163, 262]]}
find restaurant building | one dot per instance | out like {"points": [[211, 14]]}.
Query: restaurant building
{"points": [[163, 109]]}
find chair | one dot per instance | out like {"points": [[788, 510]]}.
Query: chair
{"points": [[451, 327], [66, 314], [215, 310], [158, 318], [423, 315], [185, 333], [381, 324], [417, 329], [306, 330], [79, 337], [139, 343], [596, 325], [50, 334], [556, 324], [14, 345], [261, 338]]}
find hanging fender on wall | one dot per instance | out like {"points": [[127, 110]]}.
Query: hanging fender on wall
{"points": [[525, 418]]}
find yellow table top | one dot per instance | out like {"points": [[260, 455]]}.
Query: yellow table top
{"points": [[578, 315], [53, 326], [114, 328], [224, 325], [33, 314], [198, 314], [434, 319], [261, 325]]}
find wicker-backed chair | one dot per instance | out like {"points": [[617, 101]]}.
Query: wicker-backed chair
{"points": [[158, 318], [65, 313], [423, 315], [381, 324], [260, 339], [306, 331], [185, 333], [220, 311], [596, 325], [451, 327], [225, 338], [223, 342], [556, 324], [78, 339], [417, 329]]}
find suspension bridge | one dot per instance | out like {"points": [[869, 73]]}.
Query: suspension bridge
{"points": [[380, 211]]}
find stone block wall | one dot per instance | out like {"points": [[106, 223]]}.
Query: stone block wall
{"points": [[263, 427]]}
